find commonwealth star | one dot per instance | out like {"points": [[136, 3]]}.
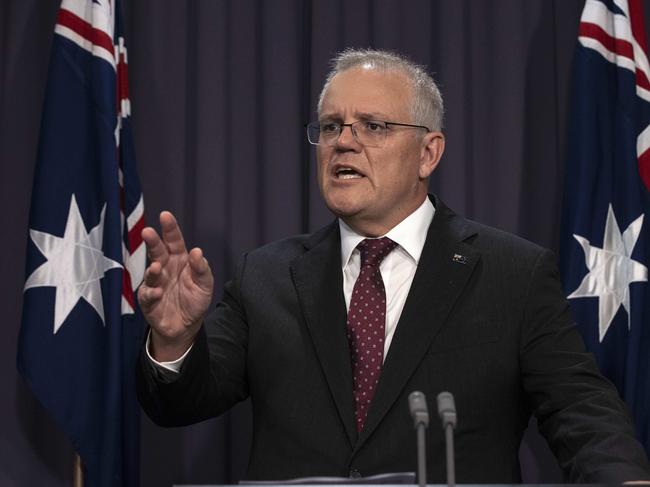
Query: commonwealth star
{"points": [[75, 264], [611, 270]]}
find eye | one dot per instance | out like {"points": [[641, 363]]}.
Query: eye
{"points": [[330, 128], [375, 127]]}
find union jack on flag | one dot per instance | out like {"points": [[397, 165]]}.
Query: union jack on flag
{"points": [[605, 246], [81, 327]]}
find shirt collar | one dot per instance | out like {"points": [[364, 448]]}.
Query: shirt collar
{"points": [[409, 234]]}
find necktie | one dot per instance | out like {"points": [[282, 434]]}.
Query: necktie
{"points": [[366, 324]]}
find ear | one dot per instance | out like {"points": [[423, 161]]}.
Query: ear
{"points": [[433, 145]]}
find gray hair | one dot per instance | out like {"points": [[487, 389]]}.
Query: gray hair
{"points": [[427, 106]]}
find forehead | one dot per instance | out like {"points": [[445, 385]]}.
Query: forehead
{"points": [[364, 91]]}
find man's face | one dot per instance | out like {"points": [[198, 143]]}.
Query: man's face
{"points": [[388, 183]]}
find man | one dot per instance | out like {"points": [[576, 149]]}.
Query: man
{"points": [[328, 333]]}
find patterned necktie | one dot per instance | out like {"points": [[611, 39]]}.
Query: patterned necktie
{"points": [[366, 324]]}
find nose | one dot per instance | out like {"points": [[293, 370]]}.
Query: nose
{"points": [[347, 138]]}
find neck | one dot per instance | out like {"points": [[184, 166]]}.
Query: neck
{"points": [[377, 228]]}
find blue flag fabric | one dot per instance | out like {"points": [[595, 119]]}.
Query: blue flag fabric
{"points": [[605, 237], [81, 329]]}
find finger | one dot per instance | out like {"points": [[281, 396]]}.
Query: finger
{"points": [[156, 249], [148, 296], [153, 275], [171, 233], [201, 272]]}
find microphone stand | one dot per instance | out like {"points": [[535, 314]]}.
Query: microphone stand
{"points": [[420, 414], [447, 412], [449, 443], [422, 456]]}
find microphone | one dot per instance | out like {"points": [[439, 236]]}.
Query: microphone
{"points": [[447, 413], [419, 410], [420, 415]]}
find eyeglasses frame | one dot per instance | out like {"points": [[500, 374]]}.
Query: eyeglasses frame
{"points": [[354, 134]]}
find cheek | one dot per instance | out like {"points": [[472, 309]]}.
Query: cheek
{"points": [[397, 175], [322, 157], [408, 164], [391, 167], [322, 171]]}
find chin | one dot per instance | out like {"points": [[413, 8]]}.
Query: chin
{"points": [[342, 212], [343, 208], [346, 201]]}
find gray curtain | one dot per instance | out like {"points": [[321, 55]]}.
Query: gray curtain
{"points": [[220, 91]]}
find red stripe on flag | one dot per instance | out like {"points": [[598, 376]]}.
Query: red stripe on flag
{"points": [[135, 234], [644, 168], [85, 30], [642, 79], [638, 32], [618, 46], [127, 289], [636, 20], [122, 79]]}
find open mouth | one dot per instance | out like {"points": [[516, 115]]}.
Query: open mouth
{"points": [[347, 173]]}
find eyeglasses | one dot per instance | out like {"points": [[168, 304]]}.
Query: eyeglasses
{"points": [[369, 133]]}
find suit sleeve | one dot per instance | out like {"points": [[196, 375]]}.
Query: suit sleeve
{"points": [[213, 376], [578, 410]]}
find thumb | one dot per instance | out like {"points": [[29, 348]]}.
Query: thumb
{"points": [[200, 270]]}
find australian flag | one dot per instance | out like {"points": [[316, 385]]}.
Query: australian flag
{"points": [[605, 247], [81, 329]]}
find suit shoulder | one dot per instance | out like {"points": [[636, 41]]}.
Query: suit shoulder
{"points": [[506, 238], [481, 236], [493, 240], [287, 249]]}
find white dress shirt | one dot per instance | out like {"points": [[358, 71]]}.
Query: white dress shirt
{"points": [[397, 270], [398, 267]]}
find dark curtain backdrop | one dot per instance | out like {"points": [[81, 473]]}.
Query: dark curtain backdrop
{"points": [[220, 91]]}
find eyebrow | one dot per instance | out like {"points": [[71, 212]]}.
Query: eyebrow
{"points": [[358, 116], [372, 116]]}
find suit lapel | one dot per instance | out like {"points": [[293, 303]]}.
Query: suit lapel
{"points": [[318, 281], [445, 267]]}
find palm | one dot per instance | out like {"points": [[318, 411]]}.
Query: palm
{"points": [[183, 301]]}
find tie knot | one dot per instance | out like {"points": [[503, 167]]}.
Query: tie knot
{"points": [[373, 250]]}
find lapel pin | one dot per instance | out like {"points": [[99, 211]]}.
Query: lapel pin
{"points": [[461, 259]]}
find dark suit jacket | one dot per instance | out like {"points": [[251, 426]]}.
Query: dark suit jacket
{"points": [[485, 319]]}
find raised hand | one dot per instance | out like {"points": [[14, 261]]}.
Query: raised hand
{"points": [[176, 291]]}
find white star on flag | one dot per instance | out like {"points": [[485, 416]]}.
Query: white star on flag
{"points": [[611, 270], [75, 264]]}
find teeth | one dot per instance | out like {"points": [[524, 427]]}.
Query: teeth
{"points": [[347, 173]]}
